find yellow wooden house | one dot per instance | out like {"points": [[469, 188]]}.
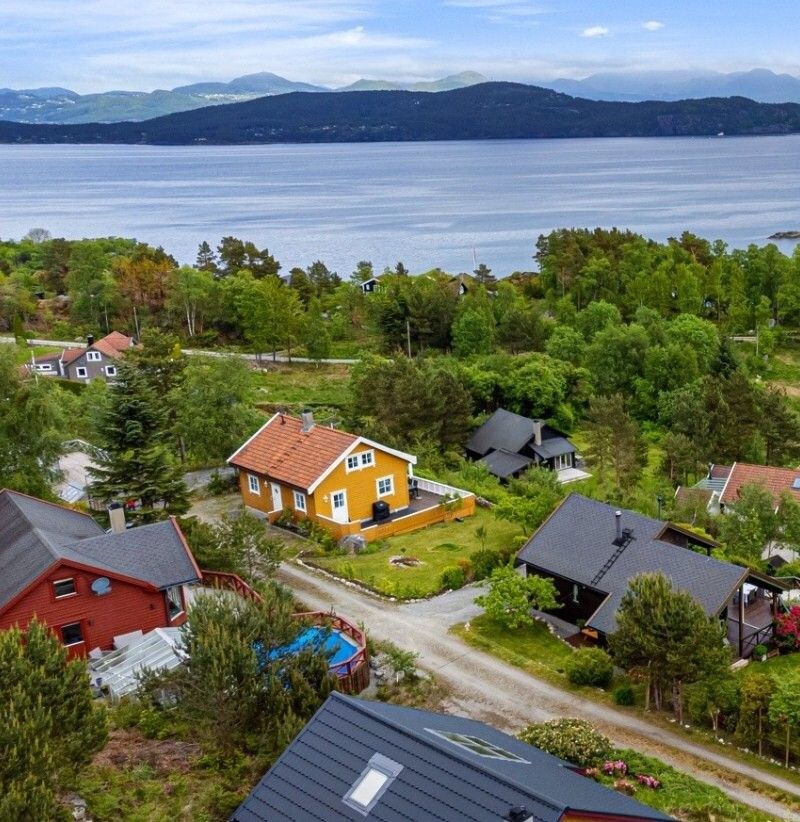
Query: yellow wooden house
{"points": [[345, 483]]}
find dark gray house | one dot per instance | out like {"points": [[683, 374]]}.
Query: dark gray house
{"points": [[508, 443], [98, 360], [357, 759], [592, 550]]}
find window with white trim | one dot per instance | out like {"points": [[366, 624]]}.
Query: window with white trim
{"points": [[93, 356], [372, 783], [174, 601], [385, 486], [64, 588], [44, 367], [253, 484], [71, 634], [80, 371], [352, 463], [476, 745], [299, 501], [367, 458], [111, 370]]}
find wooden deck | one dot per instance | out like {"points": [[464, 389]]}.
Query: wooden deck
{"points": [[757, 622]]}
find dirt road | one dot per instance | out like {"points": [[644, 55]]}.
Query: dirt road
{"points": [[488, 689]]}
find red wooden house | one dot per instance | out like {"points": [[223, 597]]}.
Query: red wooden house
{"points": [[89, 586]]}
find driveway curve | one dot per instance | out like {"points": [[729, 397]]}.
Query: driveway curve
{"points": [[486, 688]]}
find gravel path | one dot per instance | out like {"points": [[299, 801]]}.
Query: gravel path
{"points": [[488, 689]]}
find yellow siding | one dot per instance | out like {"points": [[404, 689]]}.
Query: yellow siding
{"points": [[361, 486]]}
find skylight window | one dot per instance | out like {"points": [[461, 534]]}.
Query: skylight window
{"points": [[796, 484], [476, 745], [372, 783]]}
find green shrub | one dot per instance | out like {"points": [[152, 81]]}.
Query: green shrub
{"points": [[590, 666], [452, 578], [572, 739], [624, 694], [484, 562], [466, 567]]}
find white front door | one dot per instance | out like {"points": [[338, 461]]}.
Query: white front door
{"points": [[277, 502], [339, 506]]}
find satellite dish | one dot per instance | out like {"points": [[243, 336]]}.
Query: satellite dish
{"points": [[101, 586]]}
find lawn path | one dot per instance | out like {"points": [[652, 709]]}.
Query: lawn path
{"points": [[484, 687]]}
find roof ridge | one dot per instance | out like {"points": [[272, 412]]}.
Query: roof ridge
{"points": [[452, 749], [31, 527]]}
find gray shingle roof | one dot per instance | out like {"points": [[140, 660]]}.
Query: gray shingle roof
{"points": [[35, 535], [577, 541], [503, 431], [554, 447], [438, 780], [504, 464]]}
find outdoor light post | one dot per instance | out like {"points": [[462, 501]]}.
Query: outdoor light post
{"points": [[660, 501]]}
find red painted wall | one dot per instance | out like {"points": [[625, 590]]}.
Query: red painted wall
{"points": [[126, 608]]}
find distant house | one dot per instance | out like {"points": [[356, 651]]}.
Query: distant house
{"points": [[508, 443], [592, 550], [349, 485], [97, 360], [358, 759], [87, 585], [368, 286]]}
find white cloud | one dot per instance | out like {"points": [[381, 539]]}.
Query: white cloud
{"points": [[652, 25], [595, 31]]}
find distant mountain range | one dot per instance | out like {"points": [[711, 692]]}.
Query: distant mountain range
{"points": [[761, 85], [486, 111], [60, 105]]}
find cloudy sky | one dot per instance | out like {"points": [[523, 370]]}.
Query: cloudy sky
{"points": [[96, 45]]}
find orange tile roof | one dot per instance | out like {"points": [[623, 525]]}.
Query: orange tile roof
{"points": [[71, 354], [116, 340], [281, 451], [775, 480]]}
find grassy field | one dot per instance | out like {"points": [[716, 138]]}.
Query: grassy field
{"points": [[22, 353], [437, 548], [302, 384]]}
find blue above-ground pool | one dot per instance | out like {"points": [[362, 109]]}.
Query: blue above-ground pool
{"points": [[337, 646]]}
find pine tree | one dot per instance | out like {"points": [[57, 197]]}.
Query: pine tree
{"points": [[206, 258], [50, 727], [137, 465]]}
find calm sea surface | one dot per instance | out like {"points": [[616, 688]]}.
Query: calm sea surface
{"points": [[428, 204]]}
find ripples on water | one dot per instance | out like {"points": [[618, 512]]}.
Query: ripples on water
{"points": [[428, 204]]}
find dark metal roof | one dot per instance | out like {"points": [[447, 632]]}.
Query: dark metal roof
{"points": [[554, 447], [35, 535], [503, 431], [437, 780], [505, 464], [577, 542]]}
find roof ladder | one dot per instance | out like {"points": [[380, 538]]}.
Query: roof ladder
{"points": [[624, 542]]}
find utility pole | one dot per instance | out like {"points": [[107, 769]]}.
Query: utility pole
{"points": [[136, 323]]}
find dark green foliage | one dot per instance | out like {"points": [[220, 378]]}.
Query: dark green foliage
{"points": [[624, 694], [452, 579], [590, 666], [50, 728], [484, 562]]}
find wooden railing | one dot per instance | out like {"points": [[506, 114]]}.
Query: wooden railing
{"points": [[440, 488], [353, 672], [229, 582]]}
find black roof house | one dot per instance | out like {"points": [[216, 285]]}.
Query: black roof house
{"points": [[357, 759], [592, 550], [508, 443]]}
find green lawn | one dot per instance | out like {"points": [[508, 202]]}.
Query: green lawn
{"points": [[533, 648], [300, 384], [22, 353], [437, 547]]}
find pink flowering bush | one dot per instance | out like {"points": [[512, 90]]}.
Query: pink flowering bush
{"points": [[612, 767], [787, 627], [649, 781]]}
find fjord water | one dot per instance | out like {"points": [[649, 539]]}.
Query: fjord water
{"points": [[427, 204]]}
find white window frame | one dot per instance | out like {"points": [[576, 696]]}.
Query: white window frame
{"points": [[372, 784], [44, 367], [72, 593], [94, 356], [562, 462], [78, 370], [478, 746], [359, 461], [356, 463], [81, 641], [390, 480], [252, 480], [367, 459], [299, 501], [174, 597], [111, 370]]}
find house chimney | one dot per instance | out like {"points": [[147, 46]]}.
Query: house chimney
{"points": [[116, 518], [537, 432], [519, 813], [308, 420], [90, 341], [618, 518]]}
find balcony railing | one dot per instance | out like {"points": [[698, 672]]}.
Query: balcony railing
{"points": [[441, 489]]}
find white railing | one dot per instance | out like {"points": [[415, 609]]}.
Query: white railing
{"points": [[441, 489]]}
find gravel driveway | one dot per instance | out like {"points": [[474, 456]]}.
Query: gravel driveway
{"points": [[485, 688]]}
